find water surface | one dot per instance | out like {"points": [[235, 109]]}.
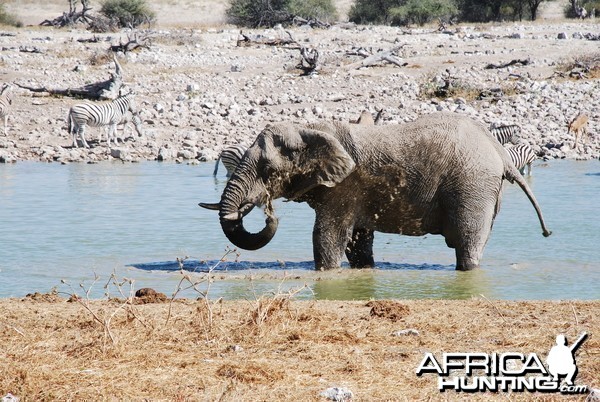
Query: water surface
{"points": [[72, 222]]}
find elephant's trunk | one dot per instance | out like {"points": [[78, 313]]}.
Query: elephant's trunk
{"points": [[235, 204]]}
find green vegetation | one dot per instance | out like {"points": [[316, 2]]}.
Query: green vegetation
{"points": [[405, 12], [323, 10], [422, 11], [590, 6], [268, 13], [127, 13], [8, 19]]}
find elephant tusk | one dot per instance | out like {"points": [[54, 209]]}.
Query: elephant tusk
{"points": [[240, 213], [214, 206]]}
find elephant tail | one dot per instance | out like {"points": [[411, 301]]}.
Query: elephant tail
{"points": [[512, 175]]}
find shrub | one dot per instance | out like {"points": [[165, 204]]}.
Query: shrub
{"points": [[8, 19], [589, 5], [128, 13], [422, 11], [323, 10], [372, 11], [268, 13]]}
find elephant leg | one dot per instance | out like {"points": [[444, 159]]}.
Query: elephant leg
{"points": [[467, 226], [330, 238], [359, 250], [472, 235]]}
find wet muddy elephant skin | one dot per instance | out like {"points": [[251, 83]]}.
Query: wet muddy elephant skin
{"points": [[441, 174]]}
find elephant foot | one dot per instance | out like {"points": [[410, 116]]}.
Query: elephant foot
{"points": [[464, 263], [466, 266], [357, 261], [359, 249]]}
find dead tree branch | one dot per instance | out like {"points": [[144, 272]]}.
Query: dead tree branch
{"points": [[105, 90], [313, 23], [72, 17], [94, 39], [372, 59], [249, 40], [522, 62], [131, 44], [310, 61]]}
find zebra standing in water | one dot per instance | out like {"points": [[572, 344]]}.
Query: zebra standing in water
{"points": [[99, 114], [506, 134], [522, 155], [231, 157], [5, 102]]}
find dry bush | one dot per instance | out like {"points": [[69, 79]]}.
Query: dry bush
{"points": [[443, 87], [100, 58], [585, 66], [448, 87], [269, 309]]}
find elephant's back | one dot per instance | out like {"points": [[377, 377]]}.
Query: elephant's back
{"points": [[437, 138]]}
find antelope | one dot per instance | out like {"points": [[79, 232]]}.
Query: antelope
{"points": [[579, 127]]}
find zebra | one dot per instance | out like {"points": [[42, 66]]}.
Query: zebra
{"points": [[231, 157], [124, 123], [99, 114], [5, 102], [505, 134], [522, 155]]}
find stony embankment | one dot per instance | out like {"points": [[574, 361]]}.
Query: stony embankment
{"points": [[198, 91]]}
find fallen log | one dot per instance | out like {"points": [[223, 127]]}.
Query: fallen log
{"points": [[249, 40], [313, 23], [522, 62], [105, 90], [372, 59], [94, 39]]}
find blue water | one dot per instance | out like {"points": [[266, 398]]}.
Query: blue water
{"points": [[78, 221]]}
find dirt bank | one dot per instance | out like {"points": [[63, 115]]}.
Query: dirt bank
{"points": [[199, 92]]}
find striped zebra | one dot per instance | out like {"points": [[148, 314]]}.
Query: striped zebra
{"points": [[124, 123], [5, 102], [231, 157], [99, 114], [522, 155], [506, 134]]}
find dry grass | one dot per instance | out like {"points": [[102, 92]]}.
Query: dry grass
{"points": [[586, 66], [270, 348]]}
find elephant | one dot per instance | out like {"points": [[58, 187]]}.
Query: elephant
{"points": [[440, 174]]}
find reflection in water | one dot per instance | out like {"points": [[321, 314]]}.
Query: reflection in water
{"points": [[400, 281], [348, 286], [71, 222]]}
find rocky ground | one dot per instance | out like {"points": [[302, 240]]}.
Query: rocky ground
{"points": [[199, 92]]}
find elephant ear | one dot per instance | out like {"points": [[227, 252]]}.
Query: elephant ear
{"points": [[322, 161]]}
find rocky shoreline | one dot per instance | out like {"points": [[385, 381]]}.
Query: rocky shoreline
{"points": [[198, 91]]}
